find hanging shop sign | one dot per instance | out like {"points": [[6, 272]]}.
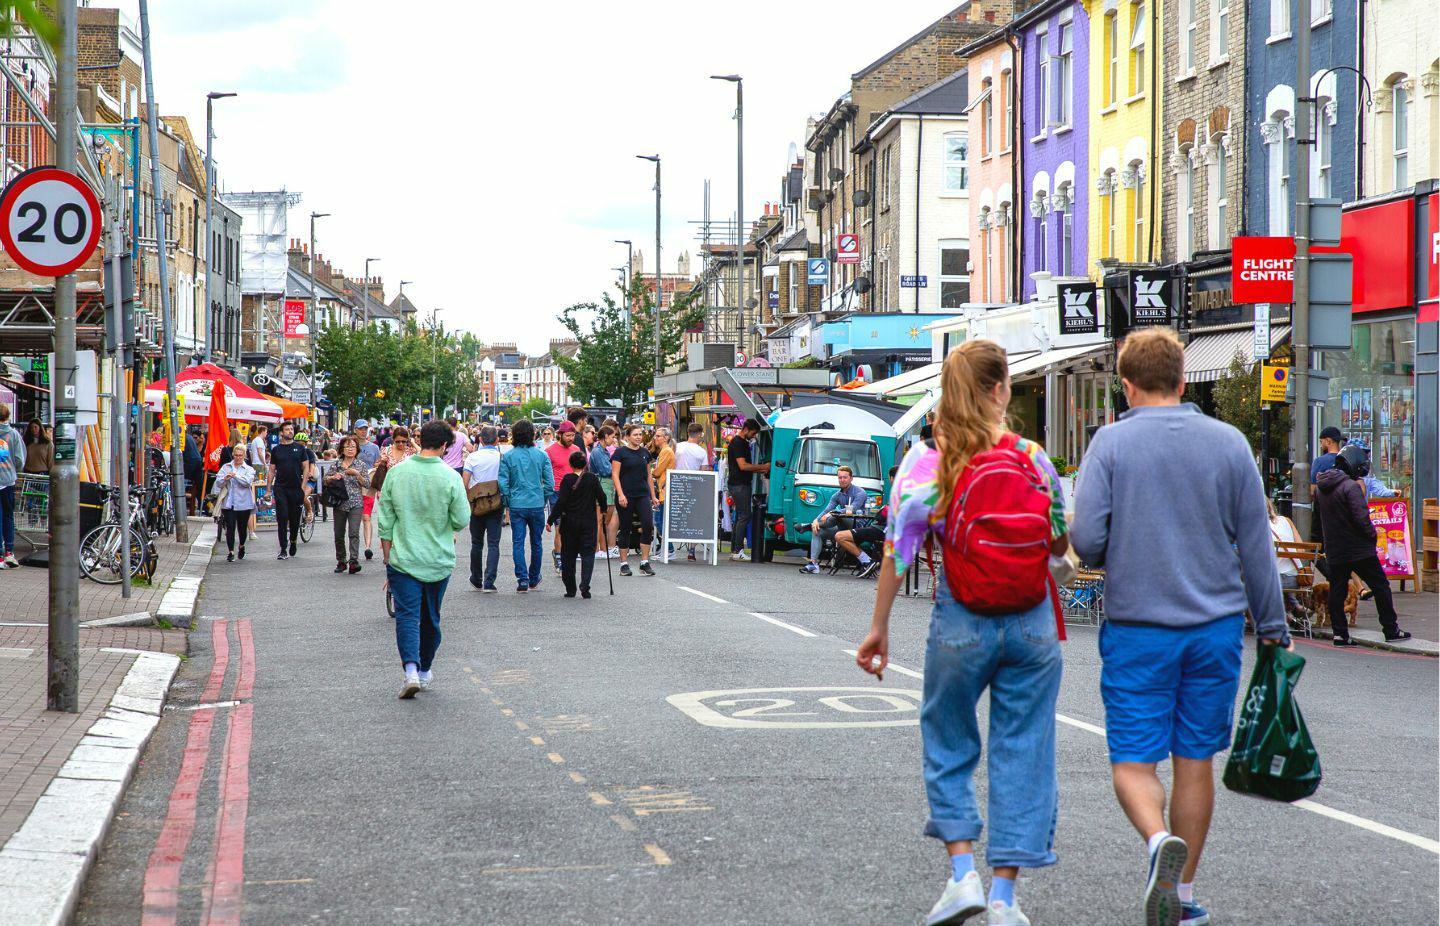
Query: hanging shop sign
{"points": [[295, 326], [1078, 308], [1152, 297], [1262, 269], [847, 249]]}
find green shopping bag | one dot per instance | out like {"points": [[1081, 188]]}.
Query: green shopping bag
{"points": [[1273, 755]]}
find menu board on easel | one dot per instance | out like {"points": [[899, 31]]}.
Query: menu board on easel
{"points": [[1391, 517]]}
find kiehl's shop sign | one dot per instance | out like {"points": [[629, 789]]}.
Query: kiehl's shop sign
{"points": [[1078, 313]]}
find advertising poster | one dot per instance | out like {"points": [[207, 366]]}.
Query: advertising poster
{"points": [[1384, 406], [1391, 517], [1345, 422], [1367, 401]]}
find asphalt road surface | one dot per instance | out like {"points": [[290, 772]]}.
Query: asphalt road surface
{"points": [[698, 749]]}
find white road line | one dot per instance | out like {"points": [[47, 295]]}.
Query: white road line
{"points": [[1414, 840], [892, 667], [779, 623], [1421, 842], [694, 591]]}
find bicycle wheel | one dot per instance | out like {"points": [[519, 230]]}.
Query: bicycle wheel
{"points": [[100, 559], [307, 528]]}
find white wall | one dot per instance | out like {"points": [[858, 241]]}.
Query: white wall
{"points": [[942, 216]]}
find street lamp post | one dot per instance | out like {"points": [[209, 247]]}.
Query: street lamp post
{"points": [[659, 368], [210, 99], [739, 83], [629, 265], [314, 312], [366, 301]]}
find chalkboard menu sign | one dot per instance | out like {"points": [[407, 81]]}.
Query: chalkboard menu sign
{"points": [[691, 515]]}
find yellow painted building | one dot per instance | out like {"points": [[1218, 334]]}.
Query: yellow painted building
{"points": [[1125, 85]]}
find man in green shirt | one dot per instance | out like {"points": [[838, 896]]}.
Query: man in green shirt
{"points": [[420, 508]]}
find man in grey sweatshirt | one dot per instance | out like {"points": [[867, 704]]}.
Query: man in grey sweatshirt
{"points": [[12, 461], [1170, 502]]}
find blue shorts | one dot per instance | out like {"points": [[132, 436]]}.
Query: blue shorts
{"points": [[1170, 691]]}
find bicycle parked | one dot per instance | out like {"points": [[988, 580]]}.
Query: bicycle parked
{"points": [[100, 551]]}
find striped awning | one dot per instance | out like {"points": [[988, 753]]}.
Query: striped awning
{"points": [[1208, 356]]}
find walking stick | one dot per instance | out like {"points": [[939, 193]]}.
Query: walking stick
{"points": [[605, 535]]}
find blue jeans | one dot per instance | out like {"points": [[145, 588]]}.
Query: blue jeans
{"points": [[533, 520], [485, 548], [417, 616], [1016, 656], [7, 519]]}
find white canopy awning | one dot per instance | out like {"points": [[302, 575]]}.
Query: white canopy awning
{"points": [[901, 380], [1042, 363]]}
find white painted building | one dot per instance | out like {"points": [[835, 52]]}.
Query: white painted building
{"points": [[1402, 63]]}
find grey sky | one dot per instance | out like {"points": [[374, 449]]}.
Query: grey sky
{"points": [[486, 151]]}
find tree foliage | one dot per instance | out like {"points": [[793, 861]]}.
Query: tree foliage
{"points": [[616, 359], [372, 371], [521, 412], [1237, 402]]}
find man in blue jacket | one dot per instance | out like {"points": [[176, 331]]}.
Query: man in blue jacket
{"points": [[1170, 502], [526, 481]]}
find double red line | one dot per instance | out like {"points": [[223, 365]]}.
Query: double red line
{"points": [[225, 876]]}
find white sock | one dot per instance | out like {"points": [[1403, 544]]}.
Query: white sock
{"points": [[1156, 840], [1186, 892], [427, 675], [412, 671], [864, 558]]}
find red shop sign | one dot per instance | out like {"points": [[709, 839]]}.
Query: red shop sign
{"points": [[1262, 269]]}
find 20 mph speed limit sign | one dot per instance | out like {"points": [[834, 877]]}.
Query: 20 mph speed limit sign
{"points": [[49, 221]]}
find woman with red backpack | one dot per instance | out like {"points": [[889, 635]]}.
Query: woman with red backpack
{"points": [[992, 503]]}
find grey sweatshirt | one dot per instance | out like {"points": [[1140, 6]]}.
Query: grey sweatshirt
{"points": [[1170, 502]]}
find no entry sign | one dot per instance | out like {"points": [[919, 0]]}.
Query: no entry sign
{"points": [[49, 221]]}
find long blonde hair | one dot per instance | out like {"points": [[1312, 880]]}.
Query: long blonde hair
{"points": [[966, 420]]}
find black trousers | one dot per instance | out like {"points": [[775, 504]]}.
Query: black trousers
{"points": [[235, 519], [289, 509], [572, 545], [1373, 575], [742, 494]]}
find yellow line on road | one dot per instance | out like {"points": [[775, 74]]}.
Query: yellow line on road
{"points": [[556, 758], [507, 712], [600, 799], [626, 825], [537, 741], [657, 853], [535, 871], [521, 725], [578, 778]]}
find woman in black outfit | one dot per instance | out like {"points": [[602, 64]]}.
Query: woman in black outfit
{"points": [[579, 499]]}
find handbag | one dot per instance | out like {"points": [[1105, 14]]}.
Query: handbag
{"points": [[335, 494], [484, 497], [377, 475]]}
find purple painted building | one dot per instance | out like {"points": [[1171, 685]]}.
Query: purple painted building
{"points": [[1054, 40]]}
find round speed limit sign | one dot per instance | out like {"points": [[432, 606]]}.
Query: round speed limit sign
{"points": [[49, 221]]}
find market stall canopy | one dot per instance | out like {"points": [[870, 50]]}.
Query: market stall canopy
{"points": [[901, 380], [242, 402], [290, 410]]}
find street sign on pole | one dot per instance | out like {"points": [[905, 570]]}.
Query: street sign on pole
{"points": [[1262, 331], [914, 282], [847, 249], [49, 221], [817, 271], [1273, 383]]}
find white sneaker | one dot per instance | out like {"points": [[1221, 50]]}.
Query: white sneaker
{"points": [[10, 561], [962, 899], [426, 678], [602, 554], [1000, 913], [412, 685], [741, 557]]}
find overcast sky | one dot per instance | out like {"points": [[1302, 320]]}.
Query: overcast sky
{"points": [[486, 152]]}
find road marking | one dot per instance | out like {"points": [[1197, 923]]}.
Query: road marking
{"points": [[779, 623], [707, 597], [657, 853], [626, 825], [537, 741], [466, 669], [1381, 829], [776, 708], [521, 725], [536, 871], [224, 900], [600, 800], [497, 702], [556, 758], [209, 706], [160, 900], [892, 667], [567, 723], [578, 778], [649, 799], [507, 712]]}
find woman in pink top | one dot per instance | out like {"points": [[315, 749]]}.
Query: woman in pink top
{"points": [[559, 453], [455, 453]]}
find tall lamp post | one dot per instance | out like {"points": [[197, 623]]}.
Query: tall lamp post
{"points": [[739, 83], [210, 99], [658, 291], [403, 284], [629, 269], [368, 262], [314, 315]]}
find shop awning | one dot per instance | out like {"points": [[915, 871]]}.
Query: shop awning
{"points": [[901, 380], [290, 409], [1208, 356], [1039, 364]]}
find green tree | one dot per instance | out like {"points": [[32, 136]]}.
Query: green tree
{"points": [[616, 358], [374, 371], [1237, 402], [521, 412]]}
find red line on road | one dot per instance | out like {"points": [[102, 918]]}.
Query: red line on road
{"points": [[1362, 650], [162, 874], [225, 884]]}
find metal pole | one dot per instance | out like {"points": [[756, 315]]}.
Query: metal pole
{"points": [[314, 312], [63, 653], [209, 219], [366, 301], [705, 262], [177, 427], [740, 209], [1300, 332], [119, 405], [659, 291]]}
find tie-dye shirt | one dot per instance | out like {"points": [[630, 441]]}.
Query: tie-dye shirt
{"points": [[915, 495]]}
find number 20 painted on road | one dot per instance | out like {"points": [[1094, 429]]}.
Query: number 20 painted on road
{"points": [[49, 221]]}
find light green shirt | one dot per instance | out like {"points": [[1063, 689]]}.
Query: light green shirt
{"points": [[421, 506]]}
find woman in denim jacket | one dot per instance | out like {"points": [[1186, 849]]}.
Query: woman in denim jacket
{"points": [[1016, 656]]}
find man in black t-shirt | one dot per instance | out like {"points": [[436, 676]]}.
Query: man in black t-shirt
{"points": [[289, 468], [741, 472]]}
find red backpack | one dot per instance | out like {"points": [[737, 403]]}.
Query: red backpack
{"points": [[997, 533]]}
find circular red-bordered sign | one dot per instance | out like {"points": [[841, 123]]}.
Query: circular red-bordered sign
{"points": [[50, 221]]}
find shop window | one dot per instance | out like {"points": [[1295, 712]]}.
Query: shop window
{"points": [[1137, 48], [1372, 397], [954, 274], [957, 162]]}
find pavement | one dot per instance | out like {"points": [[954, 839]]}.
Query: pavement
{"points": [[698, 749]]}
